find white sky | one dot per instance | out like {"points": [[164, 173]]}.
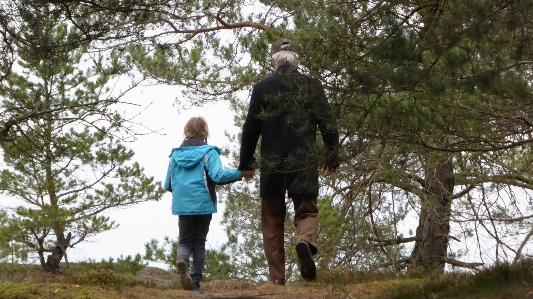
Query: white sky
{"points": [[153, 220], [154, 110]]}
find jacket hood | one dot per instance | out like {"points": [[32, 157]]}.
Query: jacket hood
{"points": [[189, 156]]}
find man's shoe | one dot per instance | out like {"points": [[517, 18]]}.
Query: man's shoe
{"points": [[185, 278], [307, 265]]}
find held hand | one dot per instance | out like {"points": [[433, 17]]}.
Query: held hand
{"points": [[330, 170], [248, 174]]}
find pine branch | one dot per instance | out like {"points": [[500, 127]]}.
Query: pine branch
{"points": [[459, 263], [395, 262], [393, 241]]}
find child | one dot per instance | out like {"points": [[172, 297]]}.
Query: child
{"points": [[193, 171]]}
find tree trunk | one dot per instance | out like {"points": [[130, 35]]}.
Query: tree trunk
{"points": [[435, 212], [53, 259], [58, 252]]}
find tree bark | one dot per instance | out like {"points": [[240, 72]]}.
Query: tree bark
{"points": [[57, 253], [435, 212], [53, 259]]}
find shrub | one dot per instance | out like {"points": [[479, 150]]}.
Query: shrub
{"points": [[107, 272], [100, 277], [127, 265]]}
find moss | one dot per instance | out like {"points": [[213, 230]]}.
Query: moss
{"points": [[499, 281]]}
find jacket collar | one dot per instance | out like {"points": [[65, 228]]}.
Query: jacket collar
{"points": [[192, 142], [287, 68]]}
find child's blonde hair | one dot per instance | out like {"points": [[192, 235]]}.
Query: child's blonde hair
{"points": [[196, 128]]}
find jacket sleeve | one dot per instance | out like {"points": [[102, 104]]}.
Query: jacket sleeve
{"points": [[250, 131], [168, 180], [218, 174], [328, 127]]}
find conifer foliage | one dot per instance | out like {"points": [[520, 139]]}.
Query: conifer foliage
{"points": [[433, 99], [64, 160]]}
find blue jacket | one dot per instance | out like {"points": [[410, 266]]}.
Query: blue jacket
{"points": [[193, 171]]}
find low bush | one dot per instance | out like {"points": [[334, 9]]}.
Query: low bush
{"points": [[109, 272]]}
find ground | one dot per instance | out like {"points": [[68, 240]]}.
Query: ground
{"points": [[502, 281], [161, 284]]}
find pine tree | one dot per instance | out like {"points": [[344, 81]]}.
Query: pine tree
{"points": [[432, 99], [66, 164]]}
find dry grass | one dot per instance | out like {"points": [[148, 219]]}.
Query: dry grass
{"points": [[26, 290], [37, 283], [499, 282]]}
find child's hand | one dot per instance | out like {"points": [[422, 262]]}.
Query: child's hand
{"points": [[248, 174]]}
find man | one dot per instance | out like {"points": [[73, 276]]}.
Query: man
{"points": [[285, 110]]}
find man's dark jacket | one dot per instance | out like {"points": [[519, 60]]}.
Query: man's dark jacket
{"points": [[285, 110]]}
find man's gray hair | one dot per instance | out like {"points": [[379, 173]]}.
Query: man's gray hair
{"points": [[285, 58]]}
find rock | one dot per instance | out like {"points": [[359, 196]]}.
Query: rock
{"points": [[152, 276]]}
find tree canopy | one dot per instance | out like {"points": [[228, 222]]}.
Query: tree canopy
{"points": [[62, 134], [432, 98], [433, 101]]}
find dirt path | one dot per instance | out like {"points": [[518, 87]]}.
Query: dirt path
{"points": [[156, 283]]}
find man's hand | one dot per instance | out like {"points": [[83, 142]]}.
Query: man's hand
{"points": [[248, 174], [330, 170]]}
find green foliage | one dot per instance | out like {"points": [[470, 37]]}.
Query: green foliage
{"points": [[12, 272], [100, 277], [346, 275], [342, 229], [218, 265], [343, 234], [128, 265], [166, 252], [11, 252], [67, 165], [412, 83], [499, 281], [242, 223], [115, 273]]}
